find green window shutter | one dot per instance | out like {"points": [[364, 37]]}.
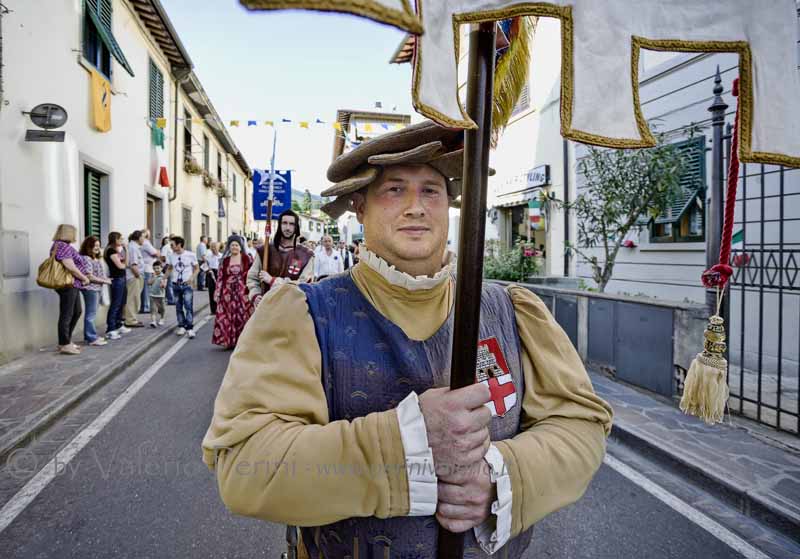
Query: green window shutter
{"points": [[104, 11], [92, 202], [693, 181], [100, 13], [156, 92]]}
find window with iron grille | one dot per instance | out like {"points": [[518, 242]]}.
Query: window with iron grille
{"points": [[684, 220], [219, 166], [234, 187], [99, 43], [206, 153], [156, 92]]}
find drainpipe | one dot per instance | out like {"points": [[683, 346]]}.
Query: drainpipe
{"points": [[566, 211]]}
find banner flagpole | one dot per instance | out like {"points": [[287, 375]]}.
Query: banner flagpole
{"points": [[469, 279], [270, 198]]}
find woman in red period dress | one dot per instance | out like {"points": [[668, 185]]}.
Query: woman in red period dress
{"points": [[233, 305]]}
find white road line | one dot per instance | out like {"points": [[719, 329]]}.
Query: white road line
{"points": [[681, 507], [58, 464]]}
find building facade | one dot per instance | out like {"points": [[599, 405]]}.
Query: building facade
{"points": [[213, 194], [529, 159], [114, 66]]}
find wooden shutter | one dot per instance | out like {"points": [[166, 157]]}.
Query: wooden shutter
{"points": [[524, 101], [693, 179], [92, 197], [156, 92]]}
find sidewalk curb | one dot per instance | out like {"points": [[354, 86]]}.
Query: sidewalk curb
{"points": [[28, 430], [751, 504]]}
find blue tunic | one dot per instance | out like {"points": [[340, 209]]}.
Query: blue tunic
{"points": [[369, 365]]}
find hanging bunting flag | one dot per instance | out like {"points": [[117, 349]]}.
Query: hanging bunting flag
{"points": [[304, 125], [161, 122], [196, 120], [320, 121], [367, 128], [337, 126], [285, 120], [252, 123], [235, 123], [269, 123], [385, 126], [399, 126]]}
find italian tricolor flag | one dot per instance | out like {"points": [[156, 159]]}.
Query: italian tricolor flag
{"points": [[535, 214]]}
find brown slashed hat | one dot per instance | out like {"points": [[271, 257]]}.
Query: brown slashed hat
{"points": [[422, 143]]}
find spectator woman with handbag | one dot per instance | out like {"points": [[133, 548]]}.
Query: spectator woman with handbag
{"points": [[90, 250], [69, 308]]}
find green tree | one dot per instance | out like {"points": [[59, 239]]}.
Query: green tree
{"points": [[621, 185], [296, 206], [307, 204]]}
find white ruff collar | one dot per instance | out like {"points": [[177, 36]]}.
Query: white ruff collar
{"points": [[402, 279]]}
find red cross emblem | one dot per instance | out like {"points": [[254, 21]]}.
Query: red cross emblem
{"points": [[499, 393], [492, 370], [294, 268]]}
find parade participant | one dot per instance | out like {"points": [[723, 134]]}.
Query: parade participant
{"points": [[288, 260], [371, 395], [233, 305]]}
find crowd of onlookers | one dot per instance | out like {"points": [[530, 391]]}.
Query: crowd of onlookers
{"points": [[133, 277], [331, 257]]}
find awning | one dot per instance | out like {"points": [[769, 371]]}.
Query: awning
{"points": [[109, 41], [517, 198]]}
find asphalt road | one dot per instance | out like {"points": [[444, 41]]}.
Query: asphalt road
{"points": [[139, 489]]}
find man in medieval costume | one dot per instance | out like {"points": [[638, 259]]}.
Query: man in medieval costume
{"points": [[288, 259], [335, 415]]}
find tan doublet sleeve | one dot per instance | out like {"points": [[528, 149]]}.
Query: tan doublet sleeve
{"points": [[280, 458], [564, 423]]}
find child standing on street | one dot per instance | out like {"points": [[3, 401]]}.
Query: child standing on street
{"points": [[157, 285]]}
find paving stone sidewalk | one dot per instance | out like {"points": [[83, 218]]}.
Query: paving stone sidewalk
{"points": [[756, 468], [39, 387]]}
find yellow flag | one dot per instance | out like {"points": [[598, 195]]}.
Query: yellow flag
{"points": [[161, 122], [269, 123], [101, 102], [399, 126], [337, 126], [196, 120], [234, 123], [367, 128], [303, 124]]}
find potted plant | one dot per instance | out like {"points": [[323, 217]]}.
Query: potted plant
{"points": [[222, 191], [191, 165]]}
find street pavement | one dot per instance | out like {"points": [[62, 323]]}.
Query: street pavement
{"points": [[139, 488]]}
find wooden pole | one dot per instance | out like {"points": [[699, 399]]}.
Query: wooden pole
{"points": [[469, 277], [268, 229]]}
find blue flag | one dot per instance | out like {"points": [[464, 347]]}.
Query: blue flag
{"points": [[282, 200]]}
